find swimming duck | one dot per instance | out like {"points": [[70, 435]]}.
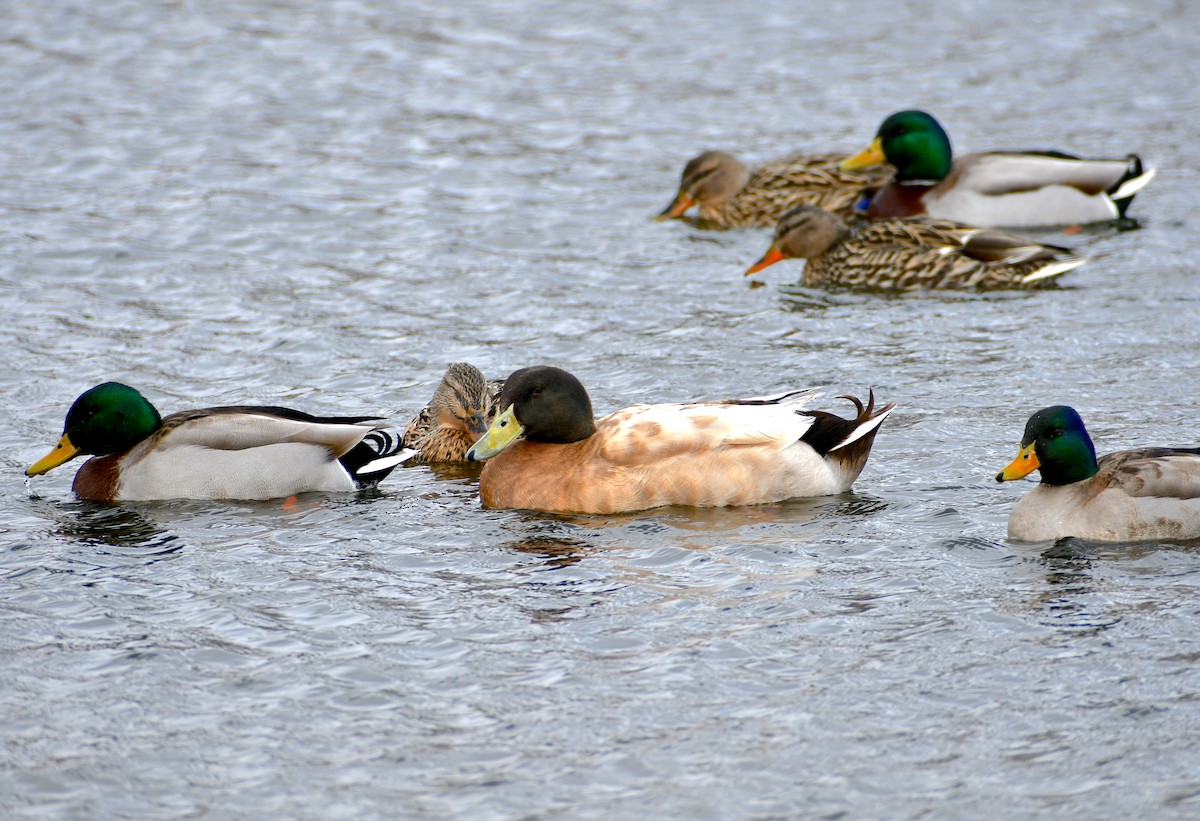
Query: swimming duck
{"points": [[216, 453], [1132, 495], [905, 254], [546, 451], [730, 196], [458, 414], [1013, 189]]}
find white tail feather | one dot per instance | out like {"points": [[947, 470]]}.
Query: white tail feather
{"points": [[1132, 186], [1054, 269], [865, 428]]}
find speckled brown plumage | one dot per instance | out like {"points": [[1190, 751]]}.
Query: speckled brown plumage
{"points": [[729, 196], [462, 407], [907, 254]]}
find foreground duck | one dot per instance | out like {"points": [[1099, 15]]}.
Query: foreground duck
{"points": [[1132, 495], [730, 196], [546, 451], [907, 254], [1013, 189], [215, 453], [461, 409]]}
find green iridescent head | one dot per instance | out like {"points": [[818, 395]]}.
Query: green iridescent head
{"points": [[109, 418], [915, 143], [1057, 444]]}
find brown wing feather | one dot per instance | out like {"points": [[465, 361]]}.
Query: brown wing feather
{"points": [[804, 179]]}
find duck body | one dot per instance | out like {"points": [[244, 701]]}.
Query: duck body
{"points": [[461, 409], [1132, 495], [704, 454], [1012, 189], [237, 452], [913, 253], [729, 196]]}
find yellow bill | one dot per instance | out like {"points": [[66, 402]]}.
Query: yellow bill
{"points": [[869, 156], [504, 431], [64, 451]]}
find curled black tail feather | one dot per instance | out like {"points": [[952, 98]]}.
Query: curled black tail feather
{"points": [[377, 455], [1134, 171]]}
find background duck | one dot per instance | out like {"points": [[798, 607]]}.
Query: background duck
{"points": [[730, 196], [905, 254], [545, 450], [1014, 189], [461, 409], [1131, 495], [215, 453]]}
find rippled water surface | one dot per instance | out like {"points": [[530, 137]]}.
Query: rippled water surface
{"points": [[324, 204]]}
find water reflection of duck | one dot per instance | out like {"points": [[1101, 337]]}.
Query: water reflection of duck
{"points": [[547, 452], [1131, 495], [906, 254], [730, 196], [240, 452], [1012, 189]]}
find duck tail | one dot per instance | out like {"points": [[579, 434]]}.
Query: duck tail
{"points": [[1132, 181], [847, 442], [1055, 268], [867, 423], [375, 457]]}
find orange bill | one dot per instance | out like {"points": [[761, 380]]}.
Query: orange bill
{"points": [[1025, 464], [678, 205], [772, 256]]}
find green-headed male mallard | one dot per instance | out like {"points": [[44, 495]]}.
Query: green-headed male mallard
{"points": [[1012, 189], [240, 452], [1131, 495]]}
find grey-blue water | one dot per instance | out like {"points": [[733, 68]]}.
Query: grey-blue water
{"points": [[324, 204]]}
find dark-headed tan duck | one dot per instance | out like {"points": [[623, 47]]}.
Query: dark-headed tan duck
{"points": [[546, 451]]}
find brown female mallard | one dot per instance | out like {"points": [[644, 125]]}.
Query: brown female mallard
{"points": [[906, 254], [730, 196], [460, 411]]}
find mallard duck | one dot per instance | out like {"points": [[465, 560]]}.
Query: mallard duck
{"points": [[216, 453], [1013, 189], [729, 196], [458, 414], [1132, 495], [546, 452], [904, 254]]}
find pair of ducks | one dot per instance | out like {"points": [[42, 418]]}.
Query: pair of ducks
{"points": [[546, 452], [933, 216], [543, 446]]}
